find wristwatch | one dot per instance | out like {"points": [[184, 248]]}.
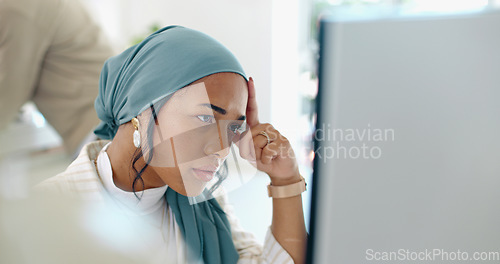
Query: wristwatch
{"points": [[286, 191]]}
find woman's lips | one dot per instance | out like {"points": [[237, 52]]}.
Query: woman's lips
{"points": [[204, 175]]}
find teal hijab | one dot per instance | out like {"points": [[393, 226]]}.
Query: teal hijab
{"points": [[161, 64], [130, 82]]}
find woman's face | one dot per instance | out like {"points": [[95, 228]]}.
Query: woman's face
{"points": [[194, 131]]}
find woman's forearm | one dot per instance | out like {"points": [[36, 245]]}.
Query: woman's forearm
{"points": [[288, 225]]}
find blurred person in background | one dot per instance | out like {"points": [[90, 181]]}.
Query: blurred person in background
{"points": [[51, 53], [171, 108]]}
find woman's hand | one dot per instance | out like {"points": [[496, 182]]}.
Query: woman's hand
{"points": [[277, 158]]}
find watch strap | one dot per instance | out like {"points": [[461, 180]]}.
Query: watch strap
{"points": [[286, 191]]}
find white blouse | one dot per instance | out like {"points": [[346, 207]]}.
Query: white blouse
{"points": [[151, 206]]}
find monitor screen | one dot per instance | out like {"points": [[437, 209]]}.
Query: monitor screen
{"points": [[407, 140]]}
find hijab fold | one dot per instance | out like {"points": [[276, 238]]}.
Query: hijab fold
{"points": [[206, 229]]}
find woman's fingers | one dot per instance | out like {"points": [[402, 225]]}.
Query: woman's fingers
{"points": [[253, 145], [252, 112], [246, 147], [269, 152], [275, 157], [246, 142]]}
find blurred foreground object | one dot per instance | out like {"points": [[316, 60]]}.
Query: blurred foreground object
{"points": [[52, 230]]}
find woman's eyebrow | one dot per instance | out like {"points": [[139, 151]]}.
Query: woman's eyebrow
{"points": [[221, 111]]}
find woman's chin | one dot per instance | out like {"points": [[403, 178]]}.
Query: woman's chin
{"points": [[193, 191]]}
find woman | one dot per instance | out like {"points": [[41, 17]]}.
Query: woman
{"points": [[172, 106]]}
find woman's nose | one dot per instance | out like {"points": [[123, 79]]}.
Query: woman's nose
{"points": [[216, 147]]}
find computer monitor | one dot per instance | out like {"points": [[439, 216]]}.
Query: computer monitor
{"points": [[407, 141]]}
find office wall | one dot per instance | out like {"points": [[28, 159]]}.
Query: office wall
{"points": [[243, 26]]}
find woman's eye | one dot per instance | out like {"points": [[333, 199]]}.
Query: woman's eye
{"points": [[206, 118], [234, 128], [237, 128]]}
